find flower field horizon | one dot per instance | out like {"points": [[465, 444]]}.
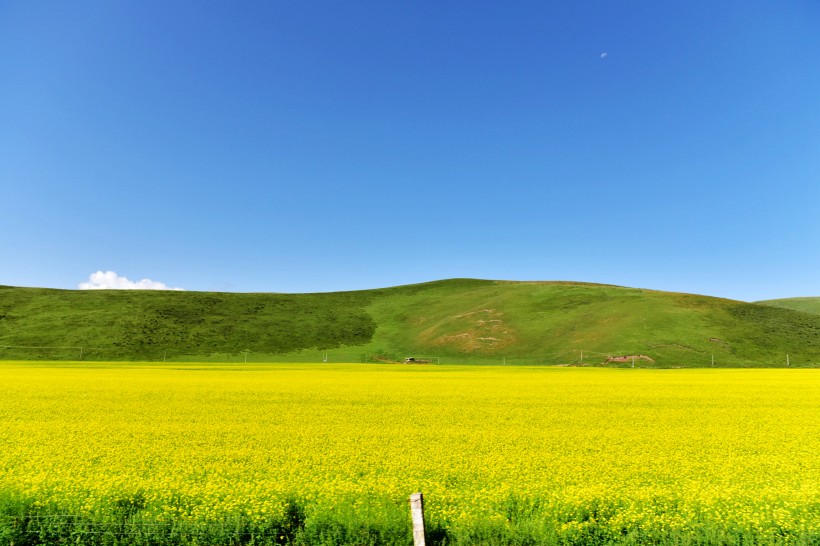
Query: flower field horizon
{"points": [[303, 454]]}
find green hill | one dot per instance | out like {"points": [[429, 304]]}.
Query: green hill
{"points": [[459, 320], [807, 305]]}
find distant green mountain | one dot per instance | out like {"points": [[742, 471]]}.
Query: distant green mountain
{"points": [[807, 305], [458, 320]]}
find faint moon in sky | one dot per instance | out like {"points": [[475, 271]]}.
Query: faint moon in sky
{"points": [[604, 55]]}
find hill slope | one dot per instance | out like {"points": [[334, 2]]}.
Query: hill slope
{"points": [[464, 319], [807, 305]]}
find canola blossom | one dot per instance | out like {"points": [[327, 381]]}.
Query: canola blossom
{"points": [[560, 454]]}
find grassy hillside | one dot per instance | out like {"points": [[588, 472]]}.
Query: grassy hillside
{"points": [[461, 319], [124, 324], [807, 305]]}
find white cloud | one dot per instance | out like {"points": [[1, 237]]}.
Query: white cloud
{"points": [[109, 280]]}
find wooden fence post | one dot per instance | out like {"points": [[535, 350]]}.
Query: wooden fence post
{"points": [[417, 514]]}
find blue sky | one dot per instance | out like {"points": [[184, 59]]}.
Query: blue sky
{"points": [[320, 146]]}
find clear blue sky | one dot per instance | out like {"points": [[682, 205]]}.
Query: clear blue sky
{"points": [[319, 146]]}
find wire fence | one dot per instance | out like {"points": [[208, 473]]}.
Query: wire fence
{"points": [[671, 355], [107, 354], [26, 523], [120, 530]]}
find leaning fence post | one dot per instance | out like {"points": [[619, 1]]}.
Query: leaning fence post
{"points": [[417, 514]]}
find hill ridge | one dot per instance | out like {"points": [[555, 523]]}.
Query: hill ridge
{"points": [[462, 319], [804, 304]]}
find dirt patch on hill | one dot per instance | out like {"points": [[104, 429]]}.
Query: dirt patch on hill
{"points": [[480, 330], [628, 358]]}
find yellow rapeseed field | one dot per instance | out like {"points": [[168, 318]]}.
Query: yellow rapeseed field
{"points": [[670, 452]]}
